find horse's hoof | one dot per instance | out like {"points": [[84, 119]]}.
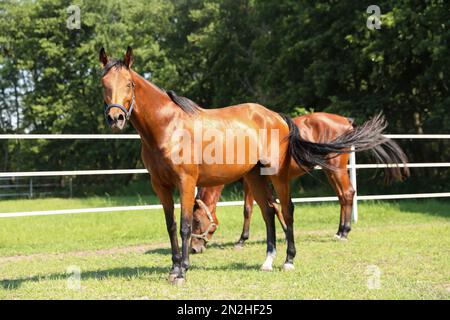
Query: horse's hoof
{"points": [[239, 246], [172, 277], [341, 238], [179, 282], [337, 236], [288, 267], [266, 268]]}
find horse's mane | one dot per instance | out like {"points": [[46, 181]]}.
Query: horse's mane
{"points": [[187, 105], [118, 64]]}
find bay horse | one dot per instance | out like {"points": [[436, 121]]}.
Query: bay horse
{"points": [[311, 127], [165, 121]]}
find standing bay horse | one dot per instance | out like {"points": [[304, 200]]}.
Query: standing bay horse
{"points": [[159, 116], [311, 127]]}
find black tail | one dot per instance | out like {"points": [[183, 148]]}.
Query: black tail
{"points": [[368, 136]]}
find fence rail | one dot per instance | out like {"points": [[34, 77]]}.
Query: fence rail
{"points": [[352, 167], [141, 171], [16, 187]]}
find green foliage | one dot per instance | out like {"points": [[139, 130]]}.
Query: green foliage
{"points": [[283, 54], [52, 73], [300, 111]]}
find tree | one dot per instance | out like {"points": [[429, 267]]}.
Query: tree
{"points": [[293, 56]]}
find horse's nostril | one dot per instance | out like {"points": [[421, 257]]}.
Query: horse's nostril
{"points": [[109, 119], [121, 117], [198, 249]]}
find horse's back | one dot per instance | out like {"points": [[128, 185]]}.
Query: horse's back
{"points": [[250, 113], [320, 126], [251, 134]]}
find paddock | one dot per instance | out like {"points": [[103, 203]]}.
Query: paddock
{"points": [[94, 248]]}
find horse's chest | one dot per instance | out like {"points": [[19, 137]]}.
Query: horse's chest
{"points": [[158, 164]]}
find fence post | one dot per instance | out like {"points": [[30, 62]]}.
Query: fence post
{"points": [[31, 188], [70, 187], [354, 184]]}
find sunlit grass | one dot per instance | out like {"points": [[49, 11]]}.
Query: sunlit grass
{"points": [[126, 255]]}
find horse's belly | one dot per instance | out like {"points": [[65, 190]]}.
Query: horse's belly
{"points": [[214, 175]]}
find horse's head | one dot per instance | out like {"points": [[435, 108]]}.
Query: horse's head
{"points": [[203, 227], [118, 89]]}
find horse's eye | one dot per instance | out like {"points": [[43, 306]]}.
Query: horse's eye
{"points": [[129, 85]]}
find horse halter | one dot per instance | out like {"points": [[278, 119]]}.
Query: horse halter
{"points": [[204, 235], [127, 112]]}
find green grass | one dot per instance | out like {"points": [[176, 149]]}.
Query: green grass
{"points": [[126, 255]]}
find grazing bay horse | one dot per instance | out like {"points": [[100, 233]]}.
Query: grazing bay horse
{"points": [[311, 127], [182, 145]]}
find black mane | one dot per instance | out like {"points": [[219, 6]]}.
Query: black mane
{"points": [[187, 105], [113, 63]]}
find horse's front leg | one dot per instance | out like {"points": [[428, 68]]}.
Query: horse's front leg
{"points": [[166, 197], [187, 195]]}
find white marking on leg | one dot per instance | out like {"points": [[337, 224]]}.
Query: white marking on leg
{"points": [[267, 266], [288, 267]]}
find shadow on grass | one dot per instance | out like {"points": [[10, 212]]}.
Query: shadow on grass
{"points": [[235, 266], [436, 208], [212, 245], [162, 251], [326, 237], [232, 244], [11, 284], [125, 272]]}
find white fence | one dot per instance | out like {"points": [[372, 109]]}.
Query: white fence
{"points": [[352, 167], [28, 187]]}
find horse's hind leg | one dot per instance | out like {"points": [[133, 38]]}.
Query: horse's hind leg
{"points": [[282, 188], [281, 219], [341, 184], [248, 211], [259, 187]]}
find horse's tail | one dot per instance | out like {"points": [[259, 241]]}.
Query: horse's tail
{"points": [[368, 136]]}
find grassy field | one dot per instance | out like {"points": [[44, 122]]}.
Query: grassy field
{"points": [[126, 255]]}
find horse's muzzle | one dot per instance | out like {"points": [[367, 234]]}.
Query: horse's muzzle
{"points": [[116, 120], [198, 249], [198, 245]]}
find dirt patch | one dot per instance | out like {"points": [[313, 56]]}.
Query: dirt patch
{"points": [[143, 248]]}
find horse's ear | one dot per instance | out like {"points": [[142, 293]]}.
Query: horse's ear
{"points": [[103, 57], [128, 60]]}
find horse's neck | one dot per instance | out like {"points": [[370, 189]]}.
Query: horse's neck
{"points": [[210, 196], [153, 113]]}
